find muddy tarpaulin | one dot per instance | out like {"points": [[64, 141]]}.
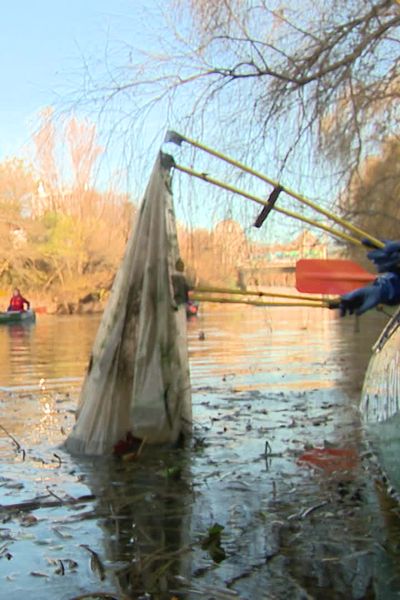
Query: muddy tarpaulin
{"points": [[138, 375]]}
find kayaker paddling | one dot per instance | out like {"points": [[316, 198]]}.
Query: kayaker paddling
{"points": [[18, 302]]}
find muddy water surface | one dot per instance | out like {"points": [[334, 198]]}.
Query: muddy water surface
{"points": [[250, 510]]}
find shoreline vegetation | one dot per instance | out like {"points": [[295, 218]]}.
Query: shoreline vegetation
{"points": [[62, 238], [221, 257]]}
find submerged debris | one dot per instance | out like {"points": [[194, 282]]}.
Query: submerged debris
{"points": [[95, 563], [212, 543]]}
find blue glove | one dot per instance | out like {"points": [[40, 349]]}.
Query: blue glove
{"points": [[385, 259], [384, 290], [359, 301]]}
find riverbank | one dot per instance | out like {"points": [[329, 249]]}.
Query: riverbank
{"points": [[95, 302], [89, 304]]}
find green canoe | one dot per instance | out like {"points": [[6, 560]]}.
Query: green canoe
{"points": [[11, 316]]}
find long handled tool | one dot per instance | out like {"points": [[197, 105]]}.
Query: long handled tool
{"points": [[177, 138], [230, 188], [333, 277], [247, 292], [224, 300], [207, 294]]}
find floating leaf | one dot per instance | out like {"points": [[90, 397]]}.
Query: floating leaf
{"points": [[174, 473], [28, 520], [44, 542], [212, 543], [71, 564], [63, 533], [95, 563]]}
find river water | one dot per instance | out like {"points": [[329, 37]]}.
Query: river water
{"points": [[249, 510]]}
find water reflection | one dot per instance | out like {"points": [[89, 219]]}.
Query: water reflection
{"points": [[147, 508], [52, 349], [286, 379], [20, 334], [259, 349]]}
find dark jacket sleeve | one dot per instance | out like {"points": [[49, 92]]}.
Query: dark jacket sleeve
{"points": [[26, 302], [181, 288], [389, 288]]}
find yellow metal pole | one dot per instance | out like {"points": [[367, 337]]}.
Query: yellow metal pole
{"points": [[204, 298], [284, 211], [349, 226], [218, 290]]}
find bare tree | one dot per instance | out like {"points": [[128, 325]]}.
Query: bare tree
{"points": [[45, 145], [84, 150], [57, 231], [270, 73]]}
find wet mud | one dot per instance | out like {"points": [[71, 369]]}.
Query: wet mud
{"points": [[276, 496]]}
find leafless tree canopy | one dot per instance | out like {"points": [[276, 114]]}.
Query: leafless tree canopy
{"points": [[335, 67], [277, 73]]}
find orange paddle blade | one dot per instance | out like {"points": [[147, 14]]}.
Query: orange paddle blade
{"points": [[336, 277], [330, 459]]}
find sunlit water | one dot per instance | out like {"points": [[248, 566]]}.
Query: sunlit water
{"points": [[279, 380]]}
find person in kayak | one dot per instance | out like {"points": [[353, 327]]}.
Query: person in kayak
{"points": [[17, 302], [180, 284], [384, 290]]}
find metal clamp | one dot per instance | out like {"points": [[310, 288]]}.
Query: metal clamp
{"points": [[267, 209]]}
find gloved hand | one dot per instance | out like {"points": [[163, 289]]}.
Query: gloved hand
{"points": [[384, 290], [360, 300], [385, 259]]}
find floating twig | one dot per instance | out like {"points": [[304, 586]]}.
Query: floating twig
{"points": [[58, 459], [37, 503], [95, 563], [54, 495], [16, 442], [268, 451], [307, 511], [106, 595], [61, 568]]}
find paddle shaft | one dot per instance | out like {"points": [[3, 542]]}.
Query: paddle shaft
{"points": [[306, 201], [253, 198], [314, 304], [222, 290]]}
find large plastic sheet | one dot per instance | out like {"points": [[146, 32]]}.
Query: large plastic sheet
{"points": [[138, 375]]}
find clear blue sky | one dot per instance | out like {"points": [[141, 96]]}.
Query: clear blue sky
{"points": [[43, 44]]}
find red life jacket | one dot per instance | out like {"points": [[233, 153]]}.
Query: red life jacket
{"points": [[17, 303]]}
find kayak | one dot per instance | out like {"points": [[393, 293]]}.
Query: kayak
{"points": [[13, 316], [380, 401]]}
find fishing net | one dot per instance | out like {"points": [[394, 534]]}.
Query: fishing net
{"points": [[138, 375]]}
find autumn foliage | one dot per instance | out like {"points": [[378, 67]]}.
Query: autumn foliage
{"points": [[372, 201], [62, 240], [60, 237]]}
